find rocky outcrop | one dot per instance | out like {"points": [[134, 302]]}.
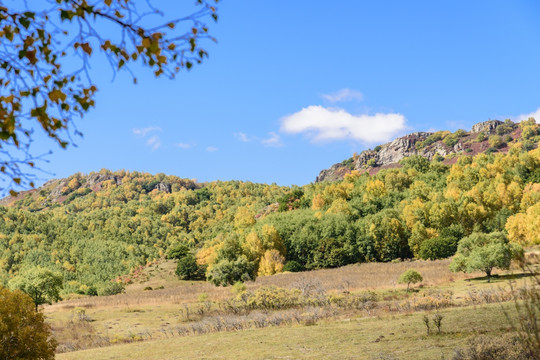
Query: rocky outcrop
{"points": [[95, 179], [163, 187], [389, 155], [487, 127]]}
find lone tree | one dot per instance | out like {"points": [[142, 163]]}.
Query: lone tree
{"points": [[409, 277], [24, 335], [484, 252], [44, 88], [42, 285]]}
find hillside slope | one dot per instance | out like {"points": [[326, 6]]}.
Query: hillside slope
{"points": [[104, 226], [441, 144]]}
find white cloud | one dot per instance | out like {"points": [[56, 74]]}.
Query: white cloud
{"points": [[242, 137], [327, 124], [535, 115], [183, 145], [154, 142], [212, 149], [145, 131], [343, 95], [274, 140]]}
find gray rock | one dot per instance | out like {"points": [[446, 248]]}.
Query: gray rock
{"points": [[487, 127], [163, 187]]}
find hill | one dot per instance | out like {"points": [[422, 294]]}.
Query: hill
{"points": [[487, 136], [102, 227]]}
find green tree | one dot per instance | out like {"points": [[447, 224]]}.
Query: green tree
{"points": [[188, 269], [409, 277], [227, 272], [484, 252], [41, 284], [24, 335], [177, 251], [42, 89]]}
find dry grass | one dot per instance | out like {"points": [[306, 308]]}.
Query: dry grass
{"points": [[370, 276], [194, 308], [388, 337]]}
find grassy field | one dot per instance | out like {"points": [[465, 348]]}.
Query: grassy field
{"points": [[194, 320], [403, 337]]}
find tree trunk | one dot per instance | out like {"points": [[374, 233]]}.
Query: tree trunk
{"points": [[488, 272]]}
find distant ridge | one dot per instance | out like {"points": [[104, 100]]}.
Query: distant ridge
{"points": [[441, 144]]}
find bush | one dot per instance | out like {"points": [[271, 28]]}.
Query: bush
{"points": [[227, 272], [490, 150], [481, 137], [111, 288], [438, 248], [188, 269], [410, 276], [495, 141], [500, 348], [177, 251], [293, 266]]}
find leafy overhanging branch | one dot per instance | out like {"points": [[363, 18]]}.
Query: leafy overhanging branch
{"points": [[40, 90]]}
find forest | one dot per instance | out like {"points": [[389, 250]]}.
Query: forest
{"points": [[98, 230]]}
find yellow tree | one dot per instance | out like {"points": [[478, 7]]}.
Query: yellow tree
{"points": [[271, 263], [272, 240], [24, 335]]}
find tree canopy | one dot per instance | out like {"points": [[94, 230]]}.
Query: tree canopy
{"points": [[43, 89], [24, 335], [42, 285], [484, 252]]}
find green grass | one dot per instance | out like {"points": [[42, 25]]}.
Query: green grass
{"points": [[402, 336]]}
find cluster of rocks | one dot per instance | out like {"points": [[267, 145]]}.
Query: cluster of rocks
{"points": [[392, 152]]}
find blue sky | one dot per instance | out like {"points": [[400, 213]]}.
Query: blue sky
{"points": [[293, 87]]}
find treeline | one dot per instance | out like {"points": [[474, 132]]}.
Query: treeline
{"points": [[230, 231]]}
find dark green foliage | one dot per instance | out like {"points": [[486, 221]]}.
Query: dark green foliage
{"points": [[188, 269], [291, 200], [227, 272], [431, 139], [438, 248], [452, 139], [100, 235], [293, 266], [484, 252], [490, 150], [417, 162], [177, 251], [349, 163], [111, 288]]}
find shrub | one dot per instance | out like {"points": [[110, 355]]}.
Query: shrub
{"points": [[409, 277], [227, 272], [188, 269], [293, 266], [177, 251], [438, 248], [111, 288], [504, 347], [490, 150], [495, 141], [481, 137]]}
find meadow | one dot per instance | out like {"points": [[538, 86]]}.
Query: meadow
{"points": [[357, 311]]}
